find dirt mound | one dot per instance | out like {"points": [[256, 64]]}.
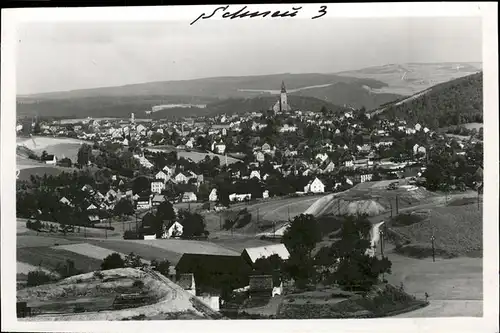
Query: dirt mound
{"points": [[369, 207], [94, 294]]}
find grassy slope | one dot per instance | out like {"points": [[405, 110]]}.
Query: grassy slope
{"points": [[457, 229]]}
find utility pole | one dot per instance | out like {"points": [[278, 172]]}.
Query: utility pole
{"points": [[288, 213], [390, 203], [433, 255], [397, 204], [136, 226], [220, 221]]}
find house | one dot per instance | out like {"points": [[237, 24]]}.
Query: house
{"points": [[157, 186], [259, 156], [144, 161], [255, 173], [65, 201], [220, 148], [266, 148], [213, 271], [175, 230], [329, 168], [322, 157], [265, 194], [168, 170], [251, 254], [213, 195], [189, 197], [157, 200], [366, 178], [239, 197], [186, 282], [143, 202], [349, 163], [260, 286], [315, 186], [49, 159], [182, 177], [162, 175]]}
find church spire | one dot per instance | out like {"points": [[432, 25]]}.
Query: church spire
{"points": [[283, 89]]}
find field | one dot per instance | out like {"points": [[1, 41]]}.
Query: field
{"points": [[454, 286], [44, 142], [197, 156], [457, 229], [50, 258], [477, 126]]}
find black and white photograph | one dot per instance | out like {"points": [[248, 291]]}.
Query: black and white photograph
{"points": [[250, 162]]}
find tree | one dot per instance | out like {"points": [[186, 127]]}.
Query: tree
{"points": [[124, 207], [356, 269], [165, 211], [132, 260], [44, 155], [272, 265], [193, 224], [300, 239], [140, 184], [113, 261], [162, 267], [38, 277], [84, 155], [302, 235]]}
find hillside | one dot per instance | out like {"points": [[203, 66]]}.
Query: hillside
{"points": [[455, 102], [351, 94], [408, 79], [220, 87], [220, 92]]}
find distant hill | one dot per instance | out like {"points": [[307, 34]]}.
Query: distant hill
{"points": [[455, 102], [351, 94], [137, 98], [408, 79]]}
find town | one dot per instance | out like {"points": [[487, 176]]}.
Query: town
{"points": [[232, 208]]}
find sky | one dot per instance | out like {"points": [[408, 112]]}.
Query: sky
{"points": [[68, 56]]}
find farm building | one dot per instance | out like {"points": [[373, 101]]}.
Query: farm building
{"points": [[157, 200], [175, 230], [49, 159], [261, 286], [239, 197], [251, 254], [214, 272], [143, 202]]}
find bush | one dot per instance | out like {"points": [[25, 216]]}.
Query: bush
{"points": [[98, 275], [162, 267], [78, 309], [129, 234], [38, 277], [112, 261]]}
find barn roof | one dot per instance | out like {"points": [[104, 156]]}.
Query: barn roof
{"points": [[255, 253]]}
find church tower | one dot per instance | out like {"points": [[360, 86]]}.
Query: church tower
{"points": [[283, 98]]}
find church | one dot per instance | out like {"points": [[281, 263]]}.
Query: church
{"points": [[282, 104]]}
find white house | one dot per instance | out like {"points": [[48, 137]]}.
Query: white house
{"points": [[349, 163], [315, 186], [266, 148], [50, 159], [220, 148], [189, 197], [330, 167], [162, 176], [144, 161], [259, 156], [239, 197], [175, 230], [182, 177], [168, 170], [418, 127], [265, 194], [366, 177], [213, 195], [157, 187], [255, 173], [65, 201], [322, 157], [143, 203]]}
